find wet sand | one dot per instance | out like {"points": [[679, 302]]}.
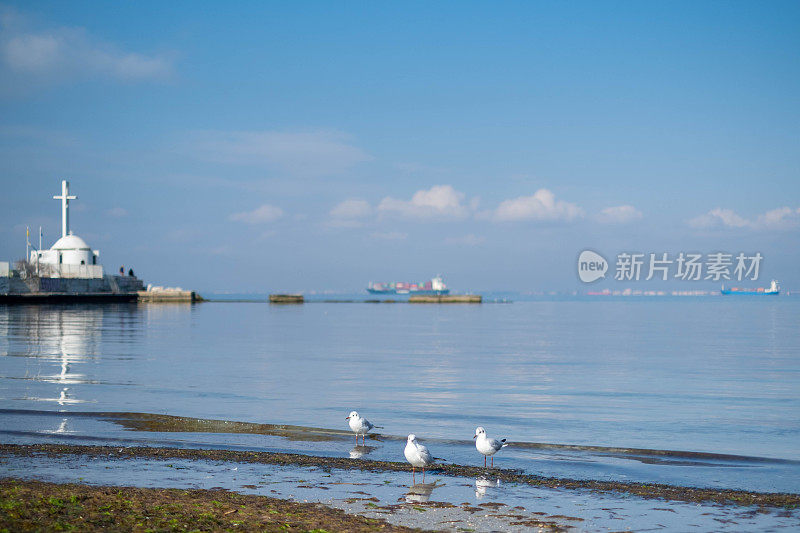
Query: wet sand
{"points": [[642, 490], [154, 422]]}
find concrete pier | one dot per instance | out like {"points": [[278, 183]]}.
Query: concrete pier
{"points": [[169, 296], [24, 286], [446, 299], [67, 297], [286, 299]]}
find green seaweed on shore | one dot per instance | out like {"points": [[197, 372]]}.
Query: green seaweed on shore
{"points": [[37, 506]]}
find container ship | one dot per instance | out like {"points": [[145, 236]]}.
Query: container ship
{"points": [[435, 286], [773, 289]]}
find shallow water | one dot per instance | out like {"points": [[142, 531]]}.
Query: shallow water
{"points": [[393, 496], [704, 470], [712, 375]]}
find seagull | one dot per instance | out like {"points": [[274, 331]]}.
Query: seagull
{"points": [[359, 425], [488, 447], [418, 455]]}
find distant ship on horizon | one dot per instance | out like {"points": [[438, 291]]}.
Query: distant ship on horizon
{"points": [[434, 286], [773, 289]]}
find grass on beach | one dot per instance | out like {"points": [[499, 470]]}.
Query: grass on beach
{"points": [[38, 506]]}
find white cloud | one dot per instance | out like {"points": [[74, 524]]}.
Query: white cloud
{"points": [[541, 206], [438, 201], [350, 213], [71, 52], [315, 153], [782, 217], [619, 214], [32, 52], [117, 212], [352, 208], [719, 217], [389, 235], [259, 215], [778, 218], [466, 240]]}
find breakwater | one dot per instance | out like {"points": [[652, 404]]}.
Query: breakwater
{"points": [[446, 299]]}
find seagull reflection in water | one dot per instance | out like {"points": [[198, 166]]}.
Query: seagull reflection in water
{"points": [[360, 451], [483, 484], [421, 492]]}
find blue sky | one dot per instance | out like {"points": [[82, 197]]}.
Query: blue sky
{"points": [[284, 146]]}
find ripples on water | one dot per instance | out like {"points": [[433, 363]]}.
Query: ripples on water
{"points": [[702, 374]]}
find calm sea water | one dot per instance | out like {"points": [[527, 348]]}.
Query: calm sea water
{"points": [[716, 375]]}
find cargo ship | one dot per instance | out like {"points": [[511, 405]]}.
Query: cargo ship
{"points": [[434, 287], [773, 289]]}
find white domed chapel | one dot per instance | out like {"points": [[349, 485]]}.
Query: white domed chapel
{"points": [[70, 250]]}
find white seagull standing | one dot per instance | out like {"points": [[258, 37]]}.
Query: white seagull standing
{"points": [[418, 455], [485, 445], [359, 425]]}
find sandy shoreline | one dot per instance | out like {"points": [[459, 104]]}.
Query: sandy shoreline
{"points": [[642, 490]]}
